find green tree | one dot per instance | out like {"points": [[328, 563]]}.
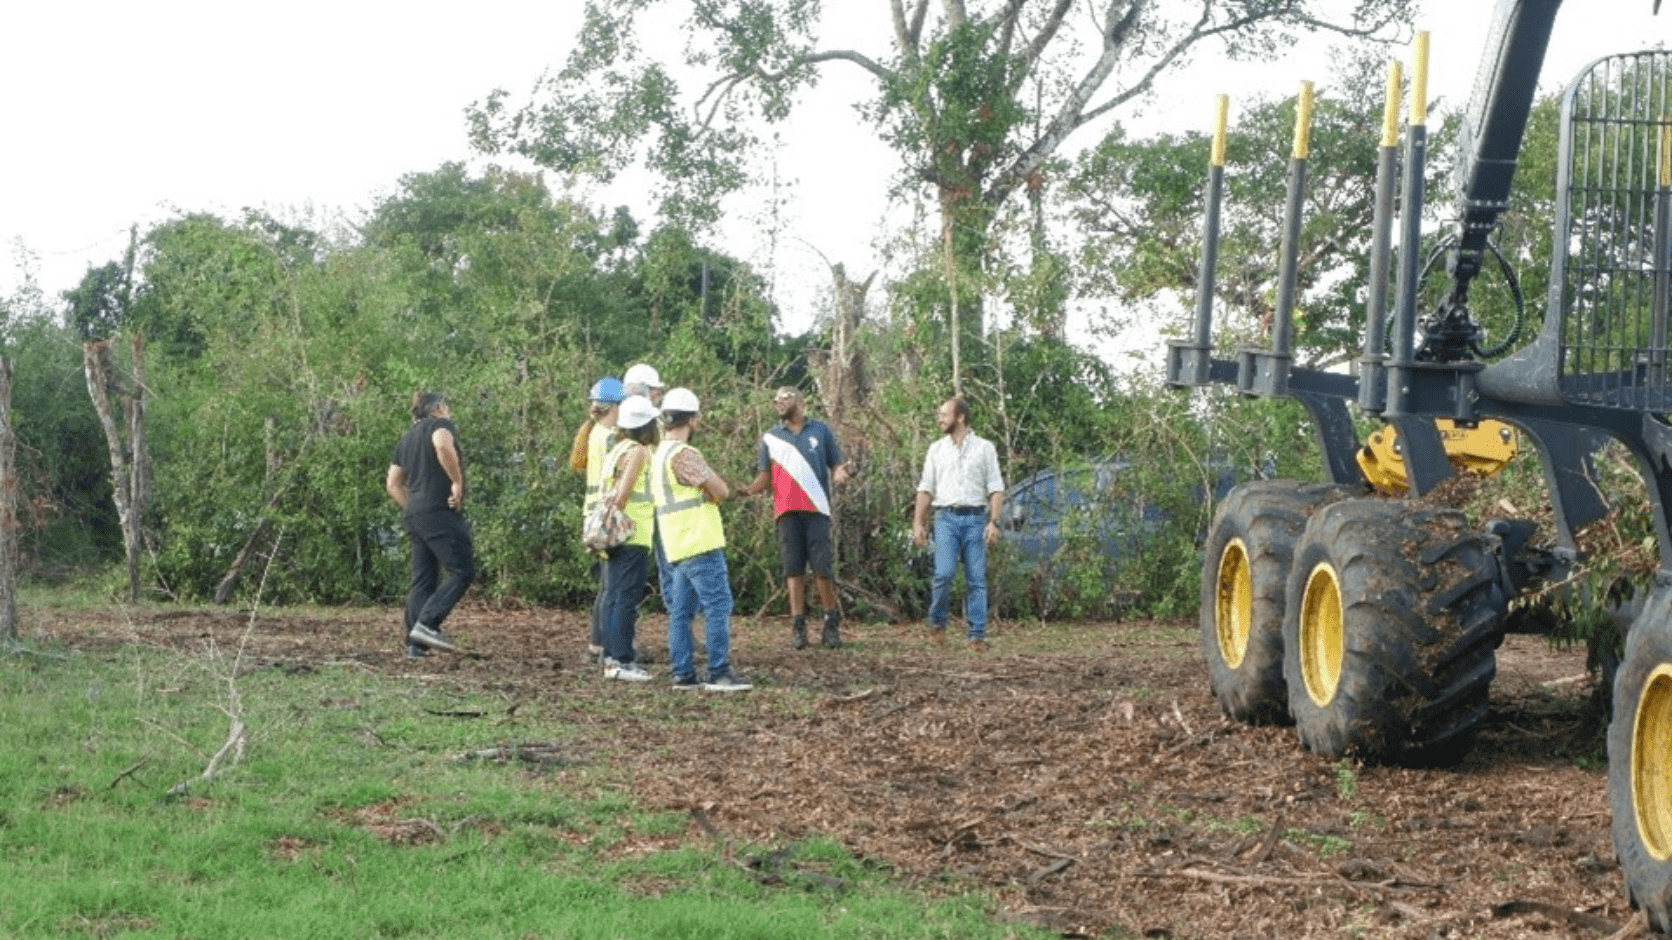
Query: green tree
{"points": [[1141, 203], [67, 519], [977, 100], [290, 361], [98, 306]]}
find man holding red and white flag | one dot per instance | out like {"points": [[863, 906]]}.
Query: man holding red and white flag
{"points": [[798, 460]]}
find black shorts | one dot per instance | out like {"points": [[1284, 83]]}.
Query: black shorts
{"points": [[804, 541]]}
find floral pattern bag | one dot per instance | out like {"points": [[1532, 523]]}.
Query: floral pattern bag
{"points": [[606, 526]]}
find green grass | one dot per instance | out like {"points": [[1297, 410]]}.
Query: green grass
{"points": [[350, 816]]}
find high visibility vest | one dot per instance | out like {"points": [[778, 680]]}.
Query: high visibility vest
{"points": [[598, 444], [640, 508], [687, 521]]}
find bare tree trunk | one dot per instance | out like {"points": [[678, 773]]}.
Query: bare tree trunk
{"points": [[957, 328], [845, 380], [139, 487], [223, 590], [264, 525], [100, 371], [8, 507]]}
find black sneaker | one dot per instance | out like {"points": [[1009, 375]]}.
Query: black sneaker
{"points": [[424, 636], [798, 633], [727, 683], [832, 637], [686, 682]]}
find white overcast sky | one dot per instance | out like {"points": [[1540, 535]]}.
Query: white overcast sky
{"points": [[118, 113]]}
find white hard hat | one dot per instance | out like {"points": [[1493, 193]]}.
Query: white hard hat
{"points": [[681, 399], [642, 374], [636, 412]]}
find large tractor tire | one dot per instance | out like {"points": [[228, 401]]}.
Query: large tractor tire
{"points": [[1245, 571], [1640, 761], [1394, 615]]}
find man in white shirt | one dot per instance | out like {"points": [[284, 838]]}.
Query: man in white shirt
{"points": [[962, 483]]}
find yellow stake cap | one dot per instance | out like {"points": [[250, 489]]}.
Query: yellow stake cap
{"points": [[1390, 110], [1222, 107], [1419, 82], [1303, 121]]}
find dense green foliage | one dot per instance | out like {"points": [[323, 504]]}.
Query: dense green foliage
{"points": [[280, 362], [1139, 203]]}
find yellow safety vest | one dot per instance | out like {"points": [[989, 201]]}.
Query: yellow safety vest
{"points": [[597, 445], [688, 522], [640, 508]]}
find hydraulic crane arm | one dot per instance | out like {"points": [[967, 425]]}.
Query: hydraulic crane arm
{"points": [[1489, 144], [1490, 137]]}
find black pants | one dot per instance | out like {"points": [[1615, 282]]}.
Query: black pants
{"points": [[440, 539]]}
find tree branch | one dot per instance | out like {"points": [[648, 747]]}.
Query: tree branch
{"points": [[1077, 111], [917, 17], [1053, 22], [1007, 26], [714, 97], [903, 38], [956, 15]]}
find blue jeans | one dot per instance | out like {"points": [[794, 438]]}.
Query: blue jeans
{"points": [[596, 636], [662, 570], [626, 574], [959, 537], [699, 581]]}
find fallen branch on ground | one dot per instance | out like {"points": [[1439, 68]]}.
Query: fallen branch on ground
{"points": [[130, 771], [234, 745], [539, 753], [1555, 912], [856, 697], [1327, 881], [1638, 926], [1040, 874]]}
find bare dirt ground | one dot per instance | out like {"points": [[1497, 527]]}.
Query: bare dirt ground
{"points": [[1080, 773]]}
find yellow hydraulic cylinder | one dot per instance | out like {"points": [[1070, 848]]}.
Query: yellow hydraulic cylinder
{"points": [[1482, 450]]}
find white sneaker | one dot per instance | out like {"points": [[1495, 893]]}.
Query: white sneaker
{"points": [[432, 638], [626, 672]]}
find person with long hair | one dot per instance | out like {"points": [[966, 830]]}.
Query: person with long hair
{"points": [[626, 477]]}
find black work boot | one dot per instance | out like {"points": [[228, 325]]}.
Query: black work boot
{"points": [[832, 638], [798, 635]]}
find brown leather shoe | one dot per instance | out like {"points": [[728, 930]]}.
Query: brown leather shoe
{"points": [[978, 646]]}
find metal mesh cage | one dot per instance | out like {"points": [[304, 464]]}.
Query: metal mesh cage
{"points": [[1613, 248]]}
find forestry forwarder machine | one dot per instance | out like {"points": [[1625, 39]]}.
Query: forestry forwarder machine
{"points": [[1373, 623]]}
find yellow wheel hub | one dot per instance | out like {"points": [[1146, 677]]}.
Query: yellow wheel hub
{"points": [[1651, 764], [1233, 612], [1321, 634]]}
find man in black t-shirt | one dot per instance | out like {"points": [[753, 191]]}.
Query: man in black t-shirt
{"points": [[426, 479]]}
